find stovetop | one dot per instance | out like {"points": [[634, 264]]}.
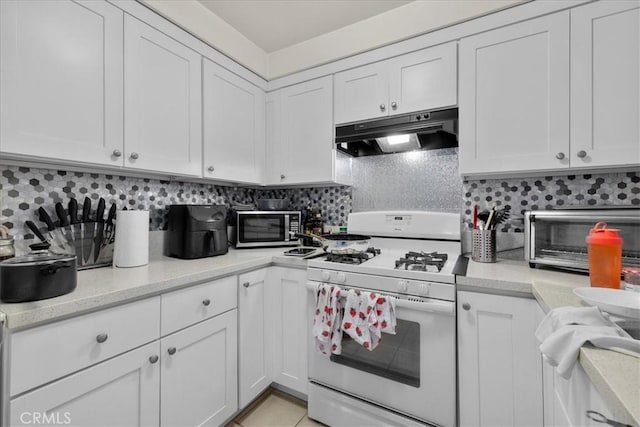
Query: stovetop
{"points": [[399, 258]]}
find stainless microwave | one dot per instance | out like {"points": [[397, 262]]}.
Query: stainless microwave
{"points": [[557, 238], [256, 229]]}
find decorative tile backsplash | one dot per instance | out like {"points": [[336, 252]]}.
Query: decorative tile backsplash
{"points": [[550, 192], [23, 190], [416, 180], [423, 181]]}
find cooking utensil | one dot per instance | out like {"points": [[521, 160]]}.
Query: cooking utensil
{"points": [[273, 204], [475, 217], [37, 276], [76, 230], [99, 229], [341, 243], [57, 240], [63, 223], [110, 235], [34, 228], [87, 231]]}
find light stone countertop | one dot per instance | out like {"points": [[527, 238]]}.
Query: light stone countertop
{"points": [[616, 376], [107, 286]]}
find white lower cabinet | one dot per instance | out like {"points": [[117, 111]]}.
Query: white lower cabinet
{"points": [[290, 327], [500, 367], [199, 373], [120, 391], [254, 332]]}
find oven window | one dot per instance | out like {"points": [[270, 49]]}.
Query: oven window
{"points": [[261, 228], [397, 357]]}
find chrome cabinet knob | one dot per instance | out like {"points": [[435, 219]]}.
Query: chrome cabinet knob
{"points": [[171, 350], [582, 154], [246, 284], [210, 169], [466, 306], [102, 338], [282, 176], [560, 156], [153, 359], [116, 153], [383, 107], [206, 302], [394, 105], [134, 156]]}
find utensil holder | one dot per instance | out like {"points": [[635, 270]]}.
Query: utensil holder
{"points": [[484, 245]]}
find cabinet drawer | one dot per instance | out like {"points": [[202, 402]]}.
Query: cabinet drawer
{"points": [[194, 304], [45, 353]]}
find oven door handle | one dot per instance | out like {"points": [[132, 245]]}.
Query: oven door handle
{"points": [[433, 306], [419, 304]]}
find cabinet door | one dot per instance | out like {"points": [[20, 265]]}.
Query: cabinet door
{"points": [[289, 319], [254, 336], [199, 373], [500, 369], [362, 93], [121, 391], [233, 126], [61, 80], [424, 80], [306, 151], [162, 95], [514, 97], [605, 84]]}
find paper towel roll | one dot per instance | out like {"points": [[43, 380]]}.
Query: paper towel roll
{"points": [[132, 239]]}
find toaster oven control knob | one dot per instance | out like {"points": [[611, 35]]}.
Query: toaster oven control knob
{"points": [[341, 277], [325, 275], [560, 156], [403, 285]]}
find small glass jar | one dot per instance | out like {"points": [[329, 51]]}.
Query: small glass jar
{"points": [[7, 250]]}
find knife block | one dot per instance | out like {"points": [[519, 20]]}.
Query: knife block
{"points": [[94, 243]]}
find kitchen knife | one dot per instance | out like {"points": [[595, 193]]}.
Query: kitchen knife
{"points": [[109, 226], [87, 231], [75, 228], [36, 231], [98, 230], [64, 231], [57, 240]]}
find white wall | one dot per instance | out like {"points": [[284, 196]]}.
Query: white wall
{"points": [[418, 17]]}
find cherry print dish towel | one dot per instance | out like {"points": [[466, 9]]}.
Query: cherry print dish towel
{"points": [[367, 315], [327, 319]]}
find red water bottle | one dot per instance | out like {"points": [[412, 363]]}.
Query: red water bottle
{"points": [[604, 246]]}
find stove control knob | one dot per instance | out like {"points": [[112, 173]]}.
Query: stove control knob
{"points": [[341, 277], [403, 285], [424, 289], [325, 275]]}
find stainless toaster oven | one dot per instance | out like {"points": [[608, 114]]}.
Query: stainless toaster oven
{"points": [[557, 237]]}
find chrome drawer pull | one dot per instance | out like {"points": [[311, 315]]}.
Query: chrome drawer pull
{"points": [[102, 338], [153, 359], [206, 302], [171, 350]]}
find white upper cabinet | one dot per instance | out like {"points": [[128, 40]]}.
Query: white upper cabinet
{"points": [[234, 126], [300, 134], [61, 80], [514, 97], [420, 80], [163, 102], [605, 84]]}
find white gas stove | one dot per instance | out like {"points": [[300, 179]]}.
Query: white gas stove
{"points": [[410, 378]]}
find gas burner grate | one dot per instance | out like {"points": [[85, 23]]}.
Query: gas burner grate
{"points": [[421, 261], [353, 258]]}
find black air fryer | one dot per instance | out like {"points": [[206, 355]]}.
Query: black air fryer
{"points": [[197, 231]]}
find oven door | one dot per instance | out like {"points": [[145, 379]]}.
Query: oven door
{"points": [[256, 229], [412, 372]]}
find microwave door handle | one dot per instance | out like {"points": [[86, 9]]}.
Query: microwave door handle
{"points": [[286, 230]]}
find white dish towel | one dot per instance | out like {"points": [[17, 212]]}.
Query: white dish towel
{"points": [[564, 330]]}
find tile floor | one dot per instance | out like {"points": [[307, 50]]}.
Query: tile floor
{"points": [[275, 409]]}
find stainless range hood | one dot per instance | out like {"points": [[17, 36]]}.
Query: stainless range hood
{"points": [[422, 130]]}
